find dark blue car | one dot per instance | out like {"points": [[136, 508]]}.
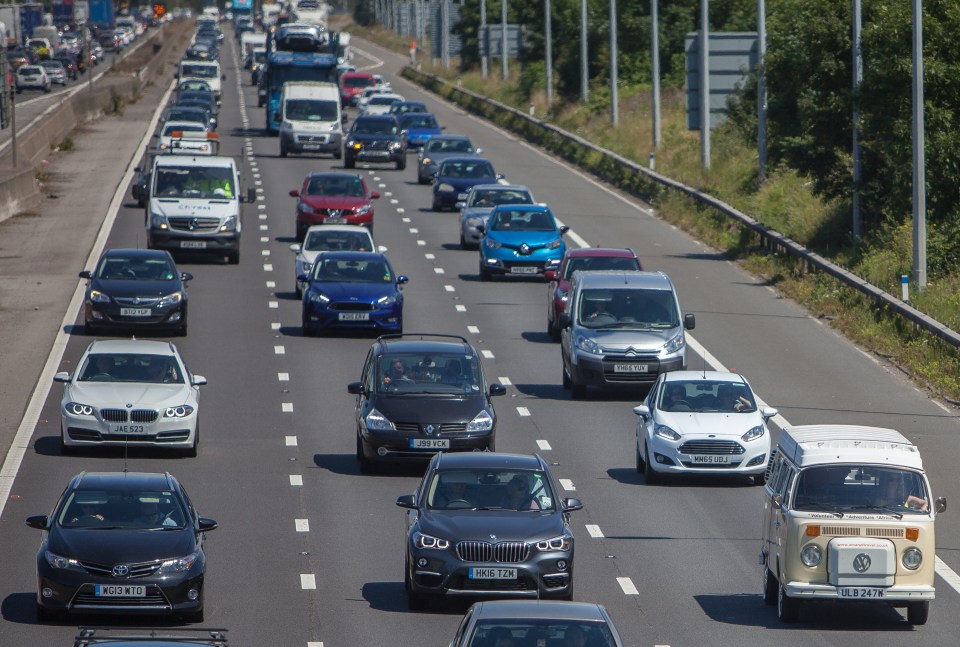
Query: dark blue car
{"points": [[420, 126], [357, 290], [456, 175]]}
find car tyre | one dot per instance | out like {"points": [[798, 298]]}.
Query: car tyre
{"points": [[553, 330], [578, 391], [770, 584], [566, 379], [349, 162], [233, 258], [337, 154], [484, 273], [917, 612], [423, 180], [301, 231], [463, 242], [367, 466], [788, 609], [760, 479], [283, 149], [650, 475], [415, 601], [641, 464], [297, 291], [401, 164]]}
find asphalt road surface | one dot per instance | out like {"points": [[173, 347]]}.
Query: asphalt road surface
{"points": [[309, 551]]}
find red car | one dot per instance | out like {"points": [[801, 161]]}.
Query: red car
{"points": [[586, 259], [334, 199], [352, 85]]}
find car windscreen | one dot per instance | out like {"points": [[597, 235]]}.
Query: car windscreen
{"points": [[310, 110], [494, 197], [402, 108], [374, 127], [351, 186], [449, 146], [340, 270], [183, 128], [490, 489], [419, 121], [194, 182], [595, 263], [534, 632], [324, 240], [705, 396], [383, 100], [130, 367], [636, 308], [864, 488], [444, 373], [132, 268], [467, 169], [127, 509], [202, 71], [522, 220]]}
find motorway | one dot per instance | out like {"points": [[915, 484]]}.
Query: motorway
{"points": [[309, 551]]}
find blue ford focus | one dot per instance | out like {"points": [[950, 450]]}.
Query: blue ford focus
{"points": [[520, 239], [357, 290]]}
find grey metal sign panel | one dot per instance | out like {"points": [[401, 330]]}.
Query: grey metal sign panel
{"points": [[492, 37], [436, 25], [733, 57]]}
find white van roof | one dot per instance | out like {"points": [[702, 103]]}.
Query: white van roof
{"points": [[311, 90], [819, 444]]}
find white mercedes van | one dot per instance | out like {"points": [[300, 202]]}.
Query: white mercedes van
{"points": [[310, 119], [848, 515]]}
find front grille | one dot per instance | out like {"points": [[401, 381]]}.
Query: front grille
{"points": [[194, 224], [728, 447], [352, 306], [141, 569], [127, 438], [840, 531], [313, 139], [144, 415], [139, 302], [114, 415], [504, 552], [444, 428], [378, 145]]}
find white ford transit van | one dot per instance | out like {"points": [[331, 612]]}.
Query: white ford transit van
{"points": [[310, 119]]}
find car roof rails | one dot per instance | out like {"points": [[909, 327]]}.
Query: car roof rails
{"points": [[88, 636]]}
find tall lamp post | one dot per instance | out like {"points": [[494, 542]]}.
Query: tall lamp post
{"points": [[548, 43], [584, 80], [614, 95]]}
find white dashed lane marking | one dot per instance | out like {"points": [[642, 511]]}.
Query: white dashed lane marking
{"points": [[389, 194], [523, 412], [286, 407], [487, 353], [405, 219], [296, 480], [290, 441], [627, 585], [274, 304], [275, 326], [505, 381], [402, 210], [438, 270], [544, 445], [461, 307], [308, 581], [264, 239], [594, 530], [414, 230], [473, 329], [271, 284], [264, 227], [421, 243], [268, 267], [283, 377], [265, 252], [302, 525], [567, 484], [279, 350], [449, 288]]}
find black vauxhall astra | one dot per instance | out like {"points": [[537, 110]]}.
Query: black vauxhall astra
{"points": [[121, 543]]}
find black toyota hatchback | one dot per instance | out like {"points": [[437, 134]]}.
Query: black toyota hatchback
{"points": [[121, 543], [139, 288], [488, 525], [421, 394]]}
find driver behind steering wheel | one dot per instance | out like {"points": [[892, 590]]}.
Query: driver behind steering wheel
{"points": [[453, 491]]}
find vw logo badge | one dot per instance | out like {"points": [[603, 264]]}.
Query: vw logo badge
{"points": [[429, 429], [121, 570], [861, 563]]}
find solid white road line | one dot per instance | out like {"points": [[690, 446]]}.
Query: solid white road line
{"points": [[302, 525], [627, 585], [296, 480], [308, 581], [544, 445], [594, 530]]}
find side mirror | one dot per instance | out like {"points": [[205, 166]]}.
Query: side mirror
{"points": [[198, 380], [223, 77], [355, 388], [186, 276], [460, 205], [84, 274], [40, 522], [295, 248], [478, 151], [498, 389], [206, 525], [940, 505], [382, 249], [642, 410], [303, 278], [407, 501], [375, 195], [768, 412], [403, 278], [689, 322], [570, 504], [251, 195], [294, 193], [550, 275], [61, 377], [501, 176], [564, 229], [777, 502]]}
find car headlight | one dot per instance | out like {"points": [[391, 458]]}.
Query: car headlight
{"points": [[554, 244], [376, 421], [674, 344], [483, 421], [564, 297], [753, 434], [563, 542], [179, 564], [588, 345], [99, 297], [286, 125], [445, 188], [394, 146], [306, 267], [811, 555], [912, 558], [666, 432], [319, 298], [425, 160], [493, 243], [171, 299], [303, 207], [60, 562], [229, 224], [78, 409], [421, 540], [364, 209], [388, 300], [182, 411]]}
